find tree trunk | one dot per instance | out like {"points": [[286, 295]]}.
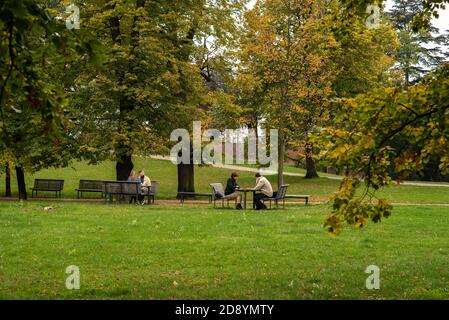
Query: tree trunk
{"points": [[21, 183], [8, 181], [281, 154], [310, 162], [186, 177], [123, 168]]}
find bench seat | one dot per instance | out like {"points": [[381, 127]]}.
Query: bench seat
{"points": [[183, 195], [306, 197]]}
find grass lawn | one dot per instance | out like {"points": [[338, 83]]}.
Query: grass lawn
{"points": [[195, 252], [166, 173]]}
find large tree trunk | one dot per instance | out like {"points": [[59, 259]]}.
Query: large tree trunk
{"points": [[310, 162], [124, 163], [21, 183], [123, 168], [186, 177], [7, 181]]}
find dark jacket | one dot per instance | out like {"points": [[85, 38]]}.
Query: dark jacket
{"points": [[231, 185]]}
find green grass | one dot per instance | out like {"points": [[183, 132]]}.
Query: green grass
{"points": [[166, 173], [138, 252]]}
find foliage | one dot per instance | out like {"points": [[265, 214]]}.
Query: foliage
{"points": [[359, 142], [33, 47], [420, 51]]}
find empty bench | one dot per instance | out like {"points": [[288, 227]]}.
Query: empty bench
{"points": [[47, 185], [90, 186], [183, 195]]}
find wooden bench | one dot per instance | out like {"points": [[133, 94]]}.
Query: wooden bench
{"points": [[298, 196], [183, 195], [47, 185], [92, 186], [121, 189], [152, 191]]}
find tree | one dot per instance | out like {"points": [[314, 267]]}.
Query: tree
{"points": [[359, 142], [152, 79], [135, 99], [33, 126], [363, 130], [287, 55], [420, 51]]}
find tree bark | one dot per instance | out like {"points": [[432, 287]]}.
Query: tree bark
{"points": [[186, 178], [123, 167], [21, 183], [310, 162], [281, 153], [8, 181]]}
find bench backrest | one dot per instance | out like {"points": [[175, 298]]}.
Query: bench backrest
{"points": [[282, 192], [154, 187], [217, 188], [49, 184], [122, 187], [92, 185]]}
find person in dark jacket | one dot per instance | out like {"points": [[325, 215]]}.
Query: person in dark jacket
{"points": [[231, 190]]}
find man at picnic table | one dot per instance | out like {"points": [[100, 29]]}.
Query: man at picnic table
{"points": [[231, 190], [266, 190]]}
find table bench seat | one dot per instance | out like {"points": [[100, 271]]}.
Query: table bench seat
{"points": [[306, 197], [183, 195]]}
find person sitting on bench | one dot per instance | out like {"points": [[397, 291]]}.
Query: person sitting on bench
{"points": [[133, 177], [145, 184], [231, 193], [264, 186]]}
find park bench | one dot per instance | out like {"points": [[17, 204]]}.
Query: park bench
{"points": [[121, 189], [280, 195], [152, 191], [183, 195], [306, 197], [92, 186], [47, 185]]}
